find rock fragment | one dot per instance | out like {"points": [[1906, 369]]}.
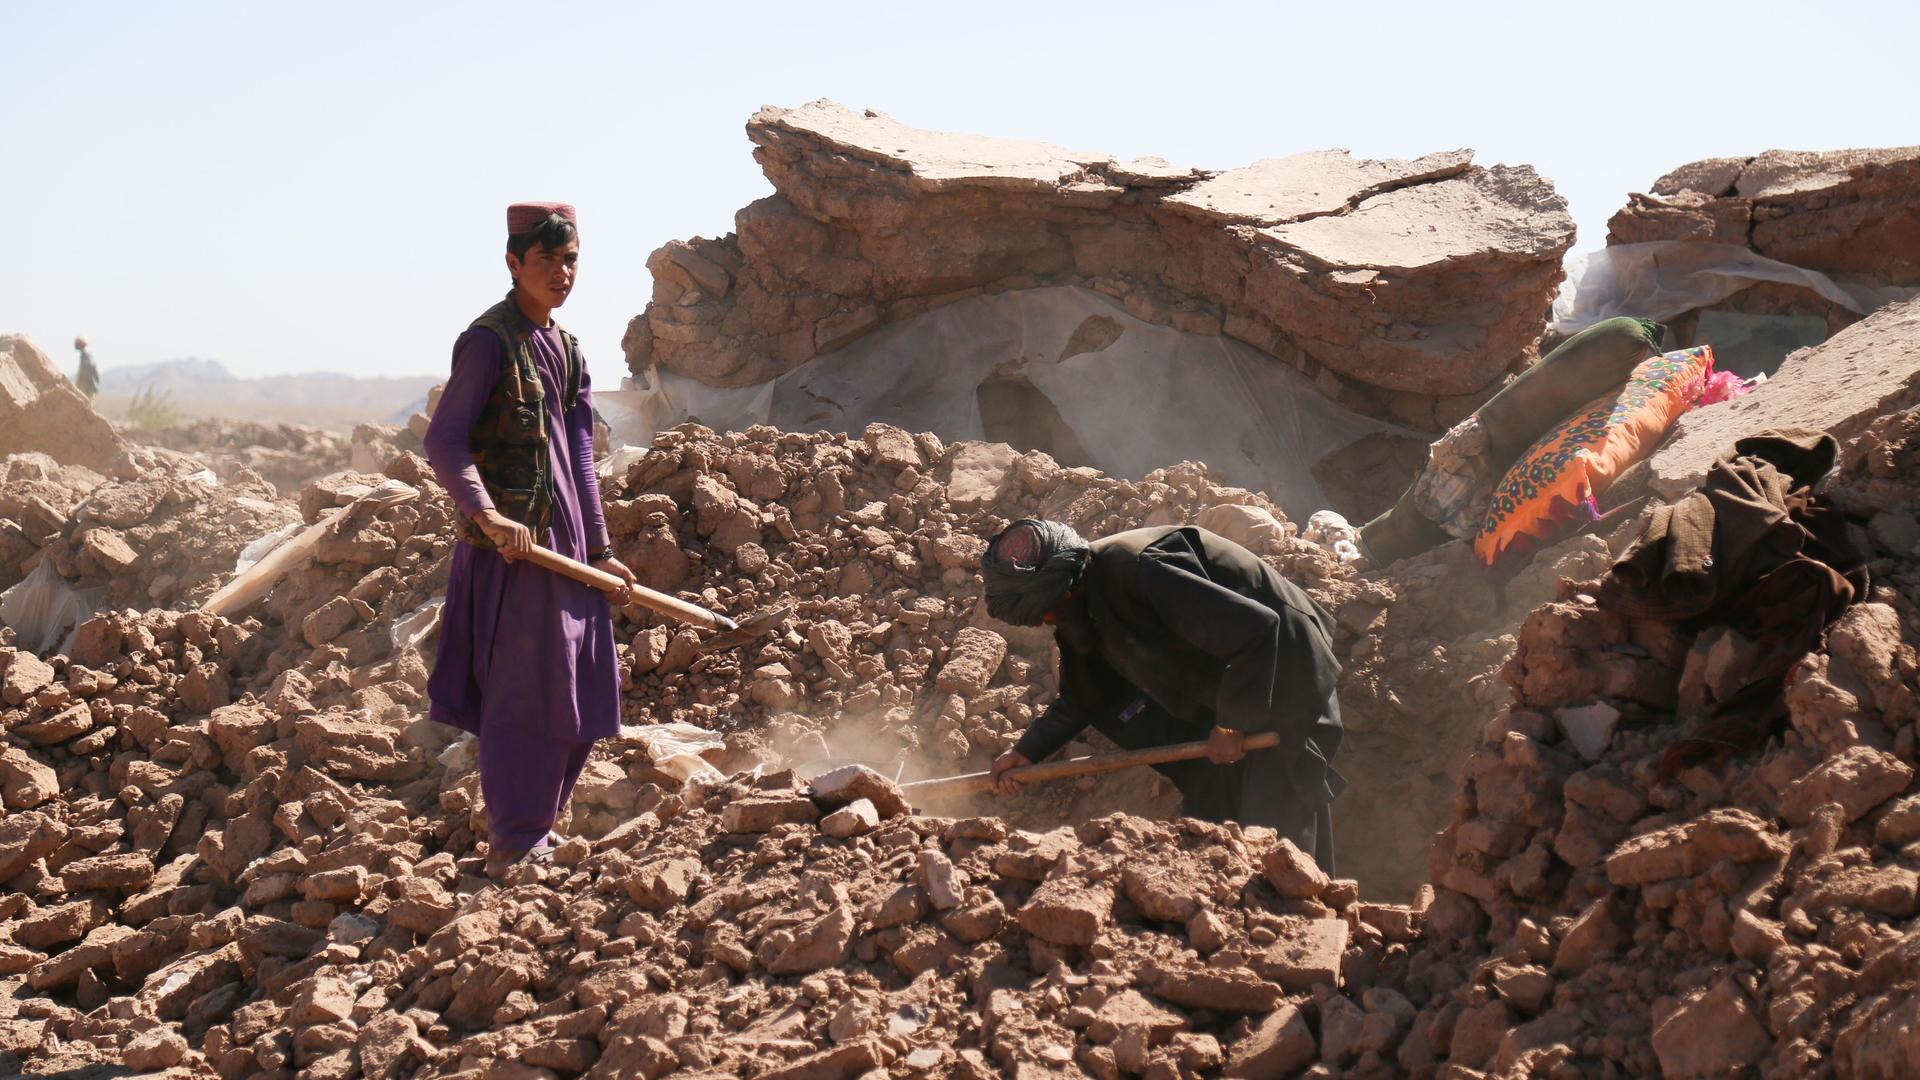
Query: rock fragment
{"points": [[1067, 912]]}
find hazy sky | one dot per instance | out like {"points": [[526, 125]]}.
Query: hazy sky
{"points": [[290, 187]]}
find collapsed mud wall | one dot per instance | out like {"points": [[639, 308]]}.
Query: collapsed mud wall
{"points": [[1063, 370], [1841, 386], [1406, 288], [1848, 213], [1790, 246]]}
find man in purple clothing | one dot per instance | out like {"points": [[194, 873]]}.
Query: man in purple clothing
{"points": [[526, 658]]}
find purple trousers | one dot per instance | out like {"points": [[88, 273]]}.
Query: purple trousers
{"points": [[526, 778]]}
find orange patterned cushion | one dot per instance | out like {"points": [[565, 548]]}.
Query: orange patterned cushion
{"points": [[1556, 483]]}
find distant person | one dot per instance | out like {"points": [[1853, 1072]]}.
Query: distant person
{"points": [[526, 659], [1173, 634], [88, 379]]}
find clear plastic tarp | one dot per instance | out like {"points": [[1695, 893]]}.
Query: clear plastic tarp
{"points": [[1663, 278], [42, 609], [1067, 365]]}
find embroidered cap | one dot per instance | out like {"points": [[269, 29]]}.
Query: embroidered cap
{"points": [[527, 216]]}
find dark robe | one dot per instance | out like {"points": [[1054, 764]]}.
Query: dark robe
{"points": [[1187, 630]]}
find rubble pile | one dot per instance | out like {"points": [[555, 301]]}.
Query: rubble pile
{"points": [[1422, 648], [285, 455], [891, 660], [238, 848], [263, 890], [37, 498], [184, 529], [365, 597], [1349, 270], [159, 529], [245, 838], [374, 445], [876, 542], [1762, 908]]}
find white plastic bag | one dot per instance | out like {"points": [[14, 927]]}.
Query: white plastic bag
{"points": [[675, 749], [461, 757], [1331, 532], [416, 626], [618, 462]]}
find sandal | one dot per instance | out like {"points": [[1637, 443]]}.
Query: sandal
{"points": [[540, 854], [499, 861]]}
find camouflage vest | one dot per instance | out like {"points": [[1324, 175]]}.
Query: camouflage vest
{"points": [[510, 439]]}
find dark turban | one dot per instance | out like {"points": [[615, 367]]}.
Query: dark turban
{"points": [[1029, 567]]}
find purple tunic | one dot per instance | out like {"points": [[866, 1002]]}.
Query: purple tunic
{"points": [[521, 647]]}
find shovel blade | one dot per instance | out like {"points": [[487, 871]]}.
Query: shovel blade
{"points": [[748, 630]]}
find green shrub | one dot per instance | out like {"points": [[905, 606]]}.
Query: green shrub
{"points": [[152, 411]]}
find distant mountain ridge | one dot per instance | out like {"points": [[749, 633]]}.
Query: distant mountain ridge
{"points": [[198, 379]]}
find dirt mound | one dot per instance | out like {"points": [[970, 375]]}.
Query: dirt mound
{"points": [[41, 412], [285, 455], [1347, 269]]}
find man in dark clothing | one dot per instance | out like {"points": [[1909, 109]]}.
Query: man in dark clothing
{"points": [[1174, 634], [88, 378]]}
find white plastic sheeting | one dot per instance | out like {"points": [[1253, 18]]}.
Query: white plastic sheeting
{"points": [[675, 748], [261, 548], [1149, 398], [1663, 278], [42, 609], [413, 629]]}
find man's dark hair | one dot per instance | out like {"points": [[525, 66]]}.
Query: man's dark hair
{"points": [[549, 234]]}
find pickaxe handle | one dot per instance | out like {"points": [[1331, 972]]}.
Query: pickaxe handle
{"points": [[671, 606], [950, 787]]}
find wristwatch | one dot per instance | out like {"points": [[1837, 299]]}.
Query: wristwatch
{"points": [[597, 554]]}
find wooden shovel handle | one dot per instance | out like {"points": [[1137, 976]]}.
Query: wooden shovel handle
{"points": [[949, 787], [671, 606]]}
